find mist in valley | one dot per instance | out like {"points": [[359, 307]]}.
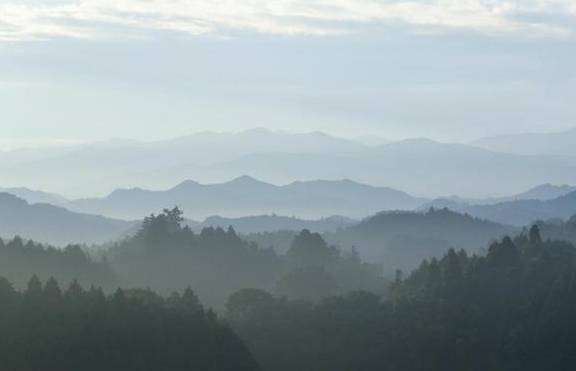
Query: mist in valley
{"points": [[278, 186]]}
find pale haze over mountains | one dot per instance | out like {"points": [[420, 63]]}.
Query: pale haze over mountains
{"points": [[557, 143], [421, 167], [285, 185]]}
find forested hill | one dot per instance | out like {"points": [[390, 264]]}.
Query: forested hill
{"points": [[400, 240], [55, 225], [313, 307], [512, 309], [49, 327], [165, 255]]}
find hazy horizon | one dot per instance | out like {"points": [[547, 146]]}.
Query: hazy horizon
{"points": [[446, 70], [37, 143]]}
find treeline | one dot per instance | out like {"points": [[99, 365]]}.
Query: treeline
{"points": [[47, 328], [558, 229], [313, 308], [512, 309], [166, 255], [20, 260]]}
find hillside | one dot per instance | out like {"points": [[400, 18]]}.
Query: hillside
{"points": [[523, 212], [55, 225], [34, 197], [400, 240]]}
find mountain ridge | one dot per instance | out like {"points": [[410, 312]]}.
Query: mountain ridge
{"points": [[249, 196], [54, 224]]}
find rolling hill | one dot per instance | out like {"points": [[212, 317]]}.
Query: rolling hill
{"points": [[523, 212], [400, 240], [55, 225]]}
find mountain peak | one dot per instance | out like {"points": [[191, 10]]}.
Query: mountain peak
{"points": [[246, 180], [547, 191], [188, 183], [257, 130]]}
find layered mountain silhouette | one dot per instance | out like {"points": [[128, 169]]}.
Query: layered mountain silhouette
{"points": [[55, 225], [98, 167], [248, 196], [523, 212], [541, 192], [419, 166], [539, 203], [34, 196]]}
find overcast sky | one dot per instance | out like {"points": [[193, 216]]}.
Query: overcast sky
{"points": [[455, 70]]}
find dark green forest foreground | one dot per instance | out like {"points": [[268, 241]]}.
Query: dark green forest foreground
{"points": [[45, 328], [314, 308], [514, 309]]}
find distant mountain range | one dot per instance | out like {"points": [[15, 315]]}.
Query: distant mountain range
{"points": [[245, 196], [396, 239], [103, 166], [59, 226], [540, 203], [35, 197], [542, 192], [255, 205], [523, 212], [55, 225], [418, 166]]}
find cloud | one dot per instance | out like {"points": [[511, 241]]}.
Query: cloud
{"points": [[117, 18]]}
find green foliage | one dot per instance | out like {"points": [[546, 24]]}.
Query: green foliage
{"points": [[41, 329], [315, 270], [167, 256], [307, 283], [512, 309], [310, 250], [20, 259]]}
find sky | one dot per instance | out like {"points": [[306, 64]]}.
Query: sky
{"points": [[451, 70]]}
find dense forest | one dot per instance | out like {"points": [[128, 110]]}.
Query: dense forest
{"points": [[45, 327], [512, 309], [20, 260], [402, 239], [165, 255], [312, 307]]}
